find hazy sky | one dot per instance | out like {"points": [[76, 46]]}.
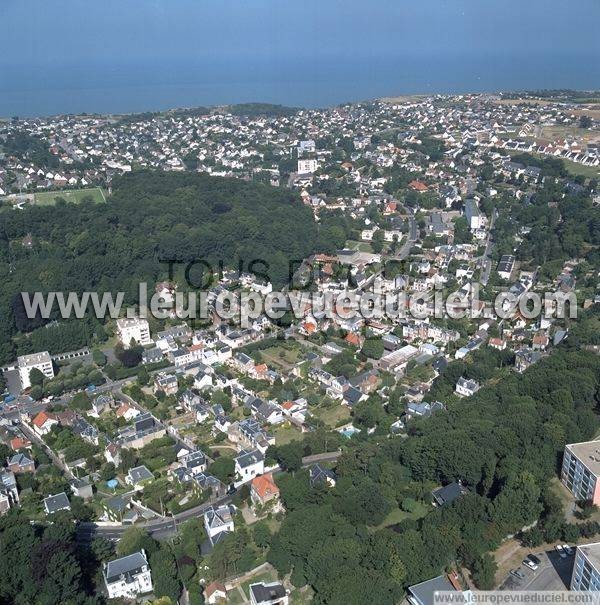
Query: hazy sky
{"points": [[70, 31], [129, 55]]}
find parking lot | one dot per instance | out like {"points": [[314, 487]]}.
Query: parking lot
{"points": [[554, 573]]}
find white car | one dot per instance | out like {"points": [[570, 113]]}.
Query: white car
{"points": [[567, 549], [561, 551], [532, 562]]}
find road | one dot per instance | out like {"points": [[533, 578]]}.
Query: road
{"points": [[486, 261], [165, 527], [413, 236]]}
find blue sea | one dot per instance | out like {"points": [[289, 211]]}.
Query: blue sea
{"points": [[118, 56]]}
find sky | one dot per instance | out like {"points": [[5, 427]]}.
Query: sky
{"points": [[76, 44]]}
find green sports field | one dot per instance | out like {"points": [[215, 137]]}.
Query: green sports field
{"points": [[74, 196]]}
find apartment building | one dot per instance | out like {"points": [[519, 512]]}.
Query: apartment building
{"points": [[581, 469], [586, 569], [39, 361], [135, 329]]}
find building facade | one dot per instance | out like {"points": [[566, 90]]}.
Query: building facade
{"points": [[39, 361], [580, 470], [586, 569]]}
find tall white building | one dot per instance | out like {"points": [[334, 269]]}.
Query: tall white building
{"points": [[128, 576], [40, 361], [135, 329], [307, 166], [586, 570]]}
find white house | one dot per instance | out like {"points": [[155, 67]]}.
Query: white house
{"points": [[466, 388], [248, 465], [218, 521], [128, 576]]}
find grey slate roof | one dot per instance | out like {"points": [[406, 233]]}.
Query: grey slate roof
{"points": [[127, 566]]}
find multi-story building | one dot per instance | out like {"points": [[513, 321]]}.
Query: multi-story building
{"points": [[128, 576], [39, 361], [135, 329], [307, 166], [581, 469], [586, 569]]}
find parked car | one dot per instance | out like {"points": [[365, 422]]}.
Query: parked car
{"points": [[517, 573], [561, 551], [531, 562], [568, 549]]}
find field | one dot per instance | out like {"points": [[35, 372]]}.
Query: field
{"points": [[73, 196]]}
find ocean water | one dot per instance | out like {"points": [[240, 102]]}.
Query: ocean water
{"points": [[118, 56]]}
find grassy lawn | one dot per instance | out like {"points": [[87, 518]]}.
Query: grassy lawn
{"points": [[280, 356], [396, 515], [285, 433], [587, 171], [360, 246], [74, 196], [332, 416]]}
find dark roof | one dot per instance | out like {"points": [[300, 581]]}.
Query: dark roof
{"points": [[126, 566], [265, 593], [448, 493], [425, 591], [56, 503]]}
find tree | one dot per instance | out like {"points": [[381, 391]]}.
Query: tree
{"points": [[36, 377], [143, 376], [484, 572], [373, 348], [98, 357], [164, 574], [130, 357], [36, 392], [223, 468], [289, 456], [262, 535], [102, 549], [133, 540], [378, 241], [81, 401], [585, 122]]}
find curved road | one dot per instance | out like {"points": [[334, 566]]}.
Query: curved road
{"points": [[165, 527]]}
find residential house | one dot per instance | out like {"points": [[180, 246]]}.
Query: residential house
{"points": [[137, 476], [128, 577], [319, 475], [248, 464], [272, 593], [215, 593], [20, 463], [445, 495], [52, 504], [43, 423], [219, 521], [264, 491], [466, 388]]}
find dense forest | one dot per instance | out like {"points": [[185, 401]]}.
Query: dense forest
{"points": [[504, 444], [151, 218]]}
